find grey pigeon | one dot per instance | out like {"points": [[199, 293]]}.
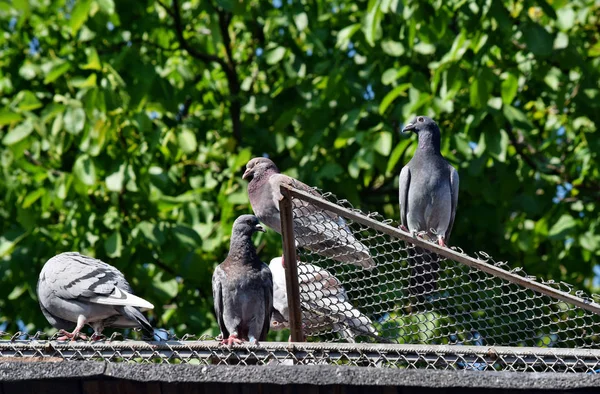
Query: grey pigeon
{"points": [[428, 198], [321, 231], [243, 287], [75, 290], [325, 303]]}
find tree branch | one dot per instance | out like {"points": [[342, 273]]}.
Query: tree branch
{"points": [[204, 57], [228, 65], [235, 109]]}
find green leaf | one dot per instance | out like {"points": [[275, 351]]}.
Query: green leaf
{"points": [[79, 15], [151, 232], [28, 101], [345, 35], [74, 120], [33, 197], [187, 236], [17, 292], [114, 182], [563, 227], [538, 40], [107, 6], [56, 71], [85, 170], [19, 133], [516, 117], [383, 143], [479, 93], [496, 142], [594, 50], [8, 117], [9, 240], [589, 241], [275, 55], [114, 245], [371, 25], [187, 141], [391, 96], [396, 154], [424, 48], [166, 289], [561, 41], [509, 88], [392, 48], [566, 18], [301, 21], [93, 60]]}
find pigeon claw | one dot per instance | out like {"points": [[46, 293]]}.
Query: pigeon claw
{"points": [[97, 337], [404, 228], [231, 341], [442, 242], [73, 336]]}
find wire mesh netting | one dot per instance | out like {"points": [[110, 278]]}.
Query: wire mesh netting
{"points": [[21, 347], [412, 295]]}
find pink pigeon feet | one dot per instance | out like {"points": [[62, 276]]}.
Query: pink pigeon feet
{"points": [[404, 228], [73, 336], [442, 242], [233, 339]]}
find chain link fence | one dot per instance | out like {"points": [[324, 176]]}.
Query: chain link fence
{"points": [[417, 292], [364, 293], [205, 352]]}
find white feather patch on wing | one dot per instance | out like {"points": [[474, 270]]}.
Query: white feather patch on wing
{"points": [[122, 298]]}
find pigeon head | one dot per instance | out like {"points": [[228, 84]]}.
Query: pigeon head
{"points": [[258, 166], [427, 130], [421, 123], [246, 225]]}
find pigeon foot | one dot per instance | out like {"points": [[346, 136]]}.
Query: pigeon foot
{"points": [[73, 336], [232, 340], [97, 337]]}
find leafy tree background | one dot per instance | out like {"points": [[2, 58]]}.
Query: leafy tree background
{"points": [[125, 127]]}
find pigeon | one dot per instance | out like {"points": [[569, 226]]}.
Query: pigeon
{"points": [[428, 197], [243, 288], [74, 290], [325, 303], [321, 231]]}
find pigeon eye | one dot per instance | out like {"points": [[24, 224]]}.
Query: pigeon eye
{"points": [[420, 119]]}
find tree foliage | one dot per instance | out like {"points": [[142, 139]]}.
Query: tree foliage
{"points": [[125, 126]]}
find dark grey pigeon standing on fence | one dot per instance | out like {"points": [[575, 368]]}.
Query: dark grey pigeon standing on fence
{"points": [[75, 290], [321, 231], [428, 199], [243, 287]]}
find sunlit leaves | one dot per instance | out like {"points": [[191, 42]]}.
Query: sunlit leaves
{"points": [[79, 15]]}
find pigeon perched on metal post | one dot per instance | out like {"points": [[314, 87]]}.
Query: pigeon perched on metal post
{"points": [[428, 198], [75, 290], [321, 231], [242, 288], [326, 302]]}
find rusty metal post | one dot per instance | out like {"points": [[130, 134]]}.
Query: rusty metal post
{"points": [[291, 265]]}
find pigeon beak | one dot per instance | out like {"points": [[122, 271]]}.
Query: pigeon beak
{"points": [[260, 228], [408, 127], [246, 173]]}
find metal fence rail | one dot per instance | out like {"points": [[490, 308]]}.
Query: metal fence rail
{"points": [[277, 353], [418, 292]]}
